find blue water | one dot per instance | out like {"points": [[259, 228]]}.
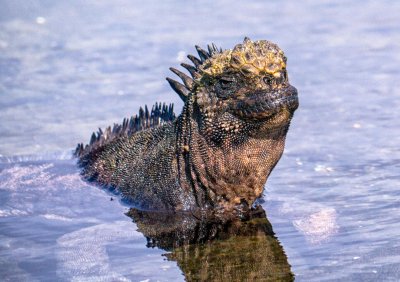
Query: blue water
{"points": [[67, 68]]}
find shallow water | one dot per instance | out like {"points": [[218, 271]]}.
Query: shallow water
{"points": [[68, 68]]}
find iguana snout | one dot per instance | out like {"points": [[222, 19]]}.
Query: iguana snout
{"points": [[262, 104]]}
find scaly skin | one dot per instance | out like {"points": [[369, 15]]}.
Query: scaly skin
{"points": [[219, 152]]}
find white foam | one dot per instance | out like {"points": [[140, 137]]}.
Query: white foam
{"points": [[56, 217], [46, 156], [40, 20], [20, 176], [318, 227], [181, 56], [12, 212], [82, 254]]}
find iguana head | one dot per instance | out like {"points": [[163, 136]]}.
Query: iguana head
{"points": [[244, 89]]}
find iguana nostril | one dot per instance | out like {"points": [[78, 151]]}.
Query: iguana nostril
{"points": [[268, 79]]}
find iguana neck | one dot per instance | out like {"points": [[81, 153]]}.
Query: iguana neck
{"points": [[227, 174], [187, 132]]}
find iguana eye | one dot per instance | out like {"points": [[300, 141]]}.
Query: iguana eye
{"points": [[268, 79], [226, 82], [225, 86]]}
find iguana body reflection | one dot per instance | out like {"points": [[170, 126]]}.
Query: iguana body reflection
{"points": [[219, 151], [211, 247]]}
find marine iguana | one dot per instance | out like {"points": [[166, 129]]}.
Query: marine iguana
{"points": [[219, 152]]}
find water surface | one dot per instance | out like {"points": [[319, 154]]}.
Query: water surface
{"points": [[67, 68]]}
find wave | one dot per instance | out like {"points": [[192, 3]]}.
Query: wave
{"points": [[47, 156]]}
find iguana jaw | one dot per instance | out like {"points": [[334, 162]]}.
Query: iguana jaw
{"points": [[264, 104]]}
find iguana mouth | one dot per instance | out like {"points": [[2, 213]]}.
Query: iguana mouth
{"points": [[264, 104]]}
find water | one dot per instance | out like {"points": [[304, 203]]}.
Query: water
{"points": [[67, 68]]}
